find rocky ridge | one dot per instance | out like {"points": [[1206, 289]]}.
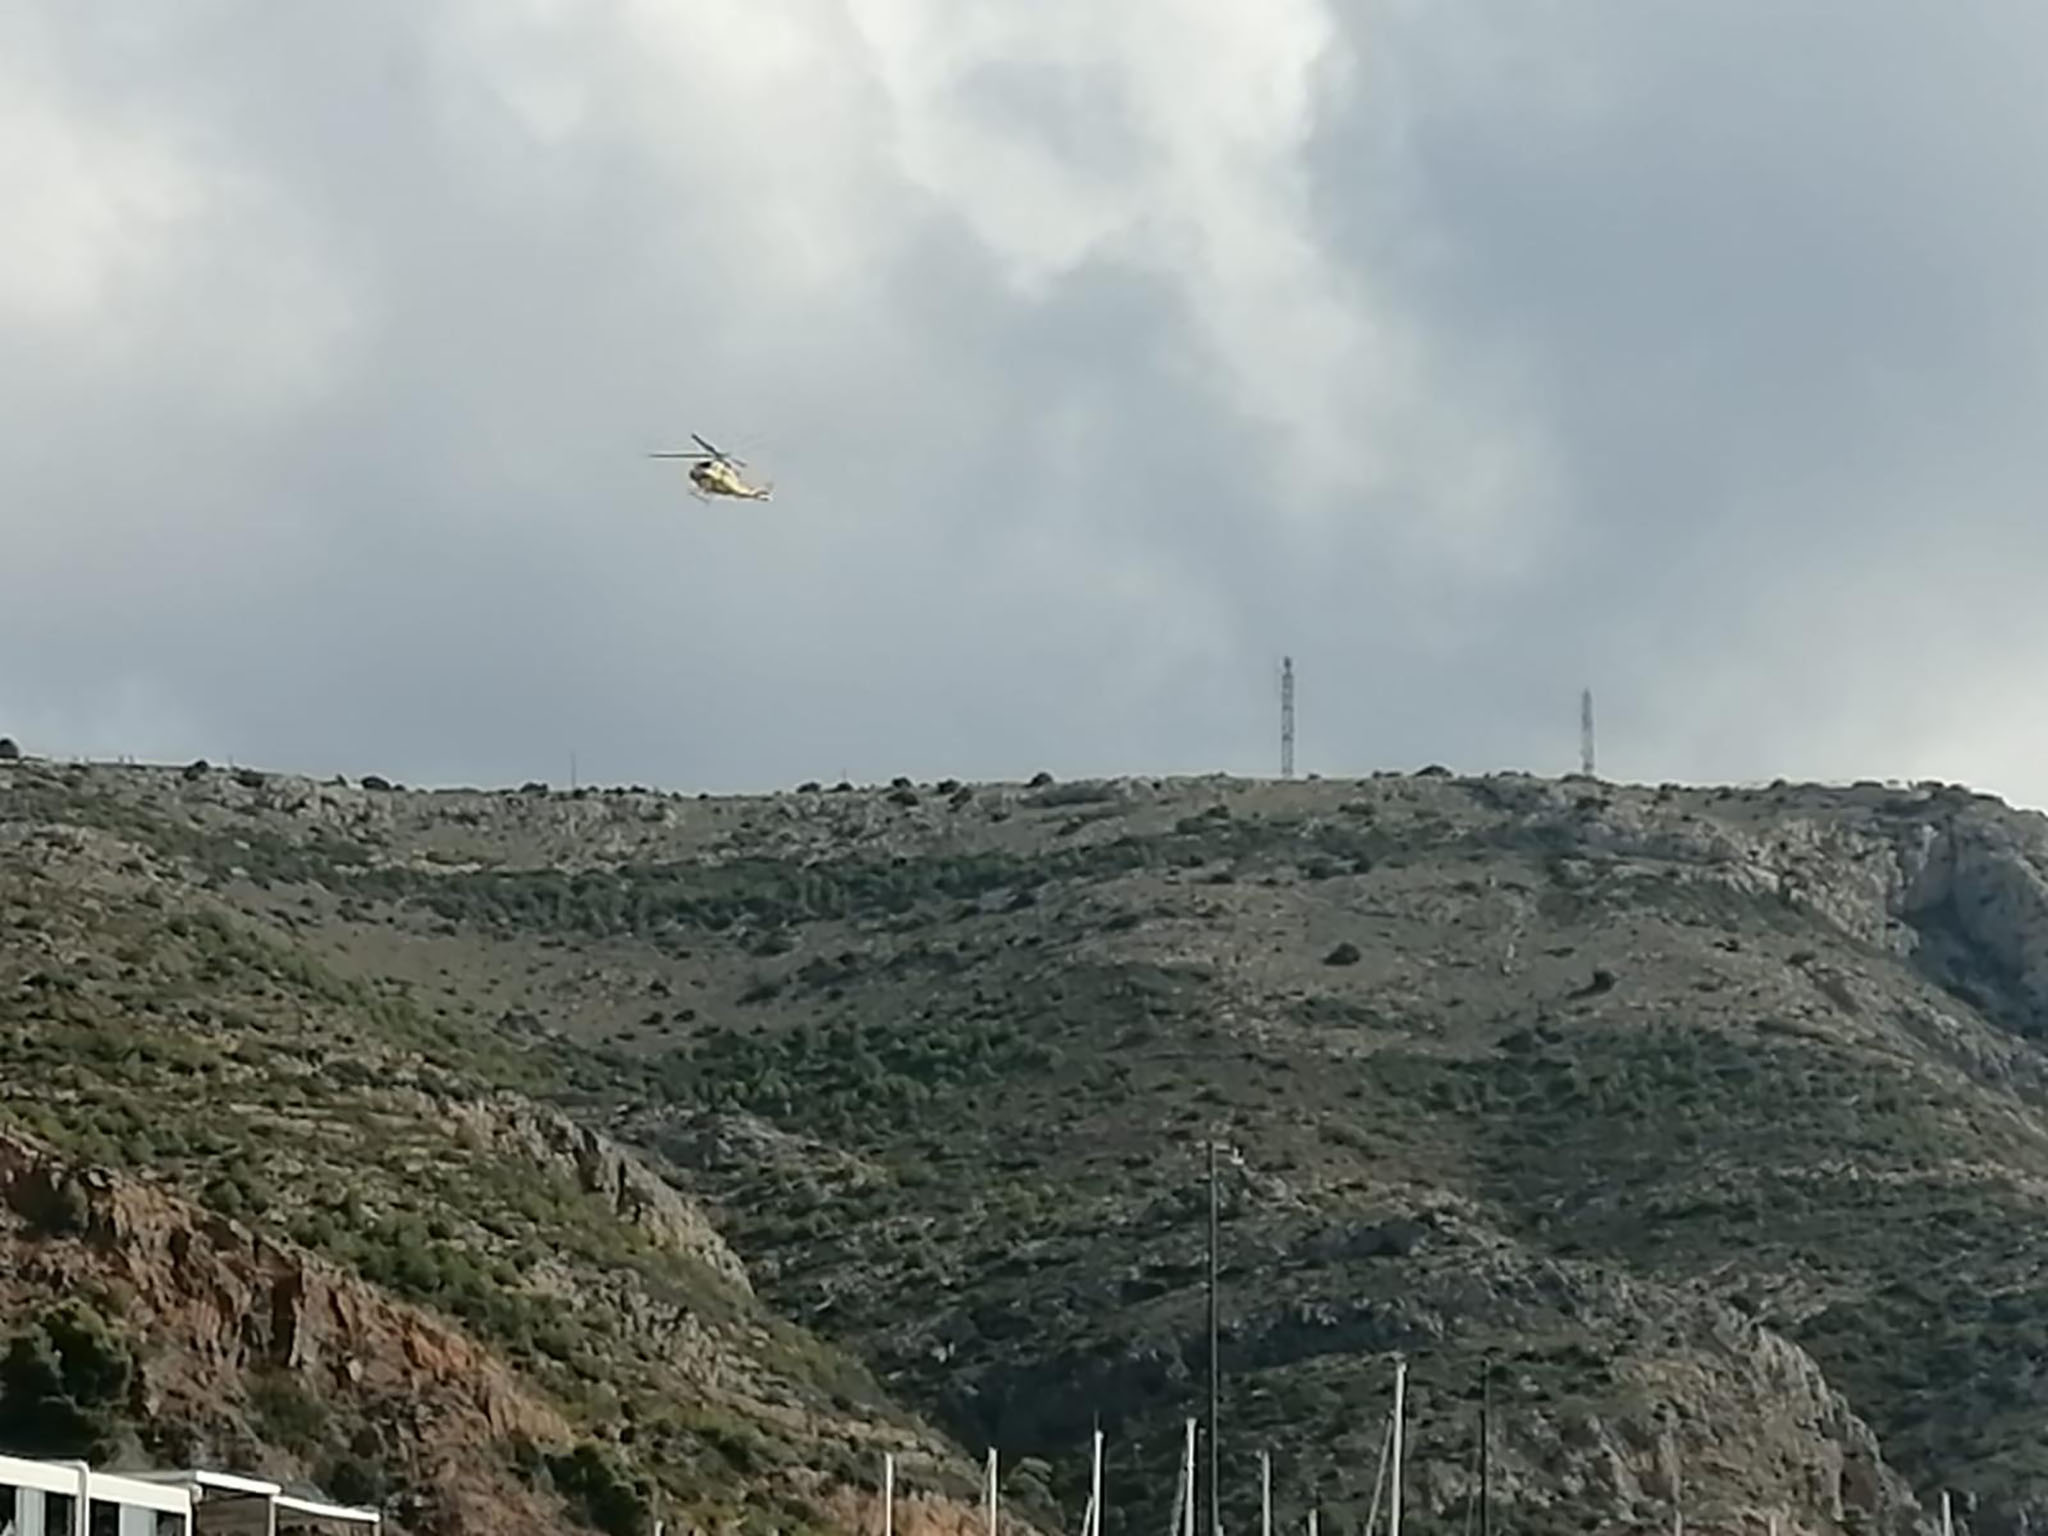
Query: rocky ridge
{"points": [[1713, 1116]]}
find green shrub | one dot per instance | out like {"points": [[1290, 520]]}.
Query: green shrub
{"points": [[594, 1484], [63, 1381]]}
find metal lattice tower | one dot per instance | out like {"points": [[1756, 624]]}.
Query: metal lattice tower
{"points": [[1586, 733], [1287, 717]]}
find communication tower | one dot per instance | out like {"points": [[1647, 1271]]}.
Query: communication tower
{"points": [[1287, 717]]}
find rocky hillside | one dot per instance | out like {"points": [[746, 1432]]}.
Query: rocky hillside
{"points": [[266, 1212], [742, 1137]]}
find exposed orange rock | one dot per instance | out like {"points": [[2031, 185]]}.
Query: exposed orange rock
{"points": [[211, 1302]]}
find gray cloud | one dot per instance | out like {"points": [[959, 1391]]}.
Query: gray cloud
{"points": [[1468, 356], [1774, 275]]}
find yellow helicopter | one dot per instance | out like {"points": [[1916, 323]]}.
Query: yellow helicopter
{"points": [[716, 473]]}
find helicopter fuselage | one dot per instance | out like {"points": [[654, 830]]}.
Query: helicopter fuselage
{"points": [[714, 474], [714, 477]]}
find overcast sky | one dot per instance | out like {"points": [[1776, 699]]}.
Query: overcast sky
{"points": [[1468, 351]]}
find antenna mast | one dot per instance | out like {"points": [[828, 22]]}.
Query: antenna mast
{"points": [[1586, 732], [1287, 717]]}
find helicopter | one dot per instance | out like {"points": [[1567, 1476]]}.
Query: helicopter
{"points": [[716, 473]]}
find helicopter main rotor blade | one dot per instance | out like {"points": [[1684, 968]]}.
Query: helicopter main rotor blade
{"points": [[679, 455], [720, 454]]}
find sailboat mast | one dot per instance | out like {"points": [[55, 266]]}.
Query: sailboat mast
{"points": [[1215, 1365], [1265, 1493], [1486, 1446], [1677, 1474], [1677, 1493], [989, 1499], [1394, 1483], [1095, 1490], [1187, 1513]]}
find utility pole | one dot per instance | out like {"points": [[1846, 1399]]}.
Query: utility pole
{"points": [[1586, 732], [1215, 1375], [1287, 717]]}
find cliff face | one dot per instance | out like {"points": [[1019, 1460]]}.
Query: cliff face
{"points": [[230, 1329], [604, 1169], [747, 1138]]}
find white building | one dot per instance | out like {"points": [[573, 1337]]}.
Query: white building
{"points": [[67, 1498]]}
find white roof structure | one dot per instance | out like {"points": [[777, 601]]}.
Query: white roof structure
{"points": [[340, 1514], [265, 1504]]}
